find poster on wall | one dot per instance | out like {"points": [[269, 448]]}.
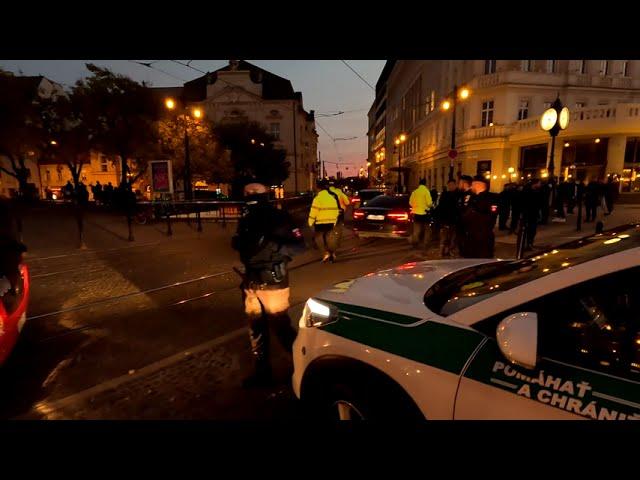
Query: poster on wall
{"points": [[161, 176]]}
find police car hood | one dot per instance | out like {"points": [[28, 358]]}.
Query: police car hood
{"points": [[398, 290]]}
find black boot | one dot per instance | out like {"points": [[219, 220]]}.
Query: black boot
{"points": [[259, 336]]}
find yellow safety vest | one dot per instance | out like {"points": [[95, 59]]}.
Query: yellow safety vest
{"points": [[344, 200], [324, 209], [420, 200]]}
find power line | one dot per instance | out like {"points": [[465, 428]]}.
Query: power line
{"points": [[359, 76], [150, 65], [187, 65]]}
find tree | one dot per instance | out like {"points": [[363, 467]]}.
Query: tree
{"points": [[252, 153], [21, 135], [208, 160], [71, 140], [120, 114]]}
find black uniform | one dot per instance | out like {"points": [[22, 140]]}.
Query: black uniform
{"points": [[592, 200], [479, 219], [464, 197], [266, 238], [504, 208], [448, 218], [532, 200]]}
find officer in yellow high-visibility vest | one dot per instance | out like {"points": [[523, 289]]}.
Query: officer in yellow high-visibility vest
{"points": [[323, 216], [420, 202]]}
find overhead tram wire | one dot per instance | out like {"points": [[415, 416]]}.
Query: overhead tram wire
{"points": [[150, 65], [359, 76]]}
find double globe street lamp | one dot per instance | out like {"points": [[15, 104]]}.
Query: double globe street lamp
{"points": [[450, 104], [196, 114], [554, 120]]}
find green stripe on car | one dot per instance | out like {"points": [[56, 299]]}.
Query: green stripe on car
{"points": [[431, 343]]}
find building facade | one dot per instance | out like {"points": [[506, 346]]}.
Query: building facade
{"points": [[497, 128], [241, 91]]}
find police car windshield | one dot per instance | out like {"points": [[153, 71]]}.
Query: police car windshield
{"points": [[471, 285], [389, 201]]}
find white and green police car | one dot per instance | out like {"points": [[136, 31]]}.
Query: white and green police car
{"points": [[554, 336]]}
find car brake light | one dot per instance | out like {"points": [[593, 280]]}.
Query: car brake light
{"points": [[357, 215], [494, 208], [401, 217]]}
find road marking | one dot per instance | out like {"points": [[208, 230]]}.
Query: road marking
{"points": [[29, 258], [46, 408], [504, 384]]}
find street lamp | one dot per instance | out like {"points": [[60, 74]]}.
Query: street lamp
{"points": [[196, 113], [554, 120], [400, 139], [450, 104]]}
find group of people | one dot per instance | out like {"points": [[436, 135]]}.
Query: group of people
{"points": [[464, 215], [531, 203], [103, 195]]}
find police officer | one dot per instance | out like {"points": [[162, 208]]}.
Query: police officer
{"points": [[479, 219], [263, 234], [323, 217], [464, 196], [420, 203]]}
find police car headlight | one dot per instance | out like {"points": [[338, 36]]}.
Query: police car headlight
{"points": [[316, 314]]}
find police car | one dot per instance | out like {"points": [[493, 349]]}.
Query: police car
{"points": [[553, 336]]}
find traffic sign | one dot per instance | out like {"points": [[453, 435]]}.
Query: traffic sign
{"points": [[453, 153]]}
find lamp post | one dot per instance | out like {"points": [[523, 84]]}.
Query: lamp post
{"points": [[553, 120], [196, 114], [400, 139], [462, 94]]}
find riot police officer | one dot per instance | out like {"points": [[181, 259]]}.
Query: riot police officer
{"points": [[479, 219], [263, 240]]}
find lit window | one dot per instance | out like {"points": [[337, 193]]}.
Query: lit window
{"points": [[580, 105], [432, 107], [104, 166], [604, 68], [487, 113], [48, 176], [625, 67]]}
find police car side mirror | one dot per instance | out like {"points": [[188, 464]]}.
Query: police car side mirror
{"points": [[517, 337]]}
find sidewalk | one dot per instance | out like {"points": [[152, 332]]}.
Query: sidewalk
{"points": [[556, 233]]}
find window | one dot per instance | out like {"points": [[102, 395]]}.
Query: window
{"points": [[551, 66], [625, 68], [104, 166], [275, 131], [582, 66], [489, 67], [471, 285], [59, 174], [525, 65], [432, 106], [48, 176], [580, 105], [547, 105], [523, 112], [604, 68], [487, 113]]}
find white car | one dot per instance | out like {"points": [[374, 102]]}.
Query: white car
{"points": [[555, 336]]}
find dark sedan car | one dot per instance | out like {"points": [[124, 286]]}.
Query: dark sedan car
{"points": [[364, 196], [384, 216]]}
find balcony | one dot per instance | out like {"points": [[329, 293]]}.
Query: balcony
{"points": [[552, 80], [621, 118], [495, 131]]}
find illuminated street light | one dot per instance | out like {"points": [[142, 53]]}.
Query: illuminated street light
{"points": [[170, 104], [400, 139], [511, 170], [597, 140], [446, 105], [566, 144], [197, 113], [464, 93], [53, 142]]}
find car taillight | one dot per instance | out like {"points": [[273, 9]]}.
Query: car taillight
{"points": [[398, 216], [355, 200], [358, 215], [494, 208]]}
